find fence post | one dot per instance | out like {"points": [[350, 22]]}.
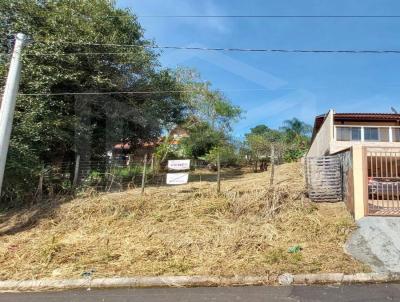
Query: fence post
{"points": [[76, 171], [218, 174], [271, 180], [144, 173]]}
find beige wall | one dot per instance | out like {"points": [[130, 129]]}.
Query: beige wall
{"points": [[323, 139], [359, 181], [336, 146]]}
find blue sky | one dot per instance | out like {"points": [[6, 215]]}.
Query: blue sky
{"points": [[275, 87]]}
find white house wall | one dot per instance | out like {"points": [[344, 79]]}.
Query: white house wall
{"points": [[322, 141]]}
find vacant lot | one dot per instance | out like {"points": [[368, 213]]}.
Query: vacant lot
{"points": [[247, 229]]}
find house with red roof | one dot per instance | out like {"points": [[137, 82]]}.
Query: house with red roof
{"points": [[334, 132], [355, 158], [126, 152]]}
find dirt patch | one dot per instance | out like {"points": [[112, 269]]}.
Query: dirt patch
{"points": [[186, 230]]}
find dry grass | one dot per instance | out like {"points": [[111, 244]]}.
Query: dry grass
{"points": [[180, 230]]}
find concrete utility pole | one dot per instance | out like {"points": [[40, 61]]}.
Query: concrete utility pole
{"points": [[8, 102]]}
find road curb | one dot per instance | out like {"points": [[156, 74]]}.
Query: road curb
{"points": [[196, 281]]}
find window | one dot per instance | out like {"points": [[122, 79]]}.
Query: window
{"points": [[355, 134], [348, 133], [371, 134], [383, 134], [396, 134]]}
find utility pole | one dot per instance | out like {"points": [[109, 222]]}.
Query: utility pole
{"points": [[8, 102]]}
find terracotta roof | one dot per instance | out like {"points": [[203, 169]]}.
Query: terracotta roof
{"points": [[367, 116]]}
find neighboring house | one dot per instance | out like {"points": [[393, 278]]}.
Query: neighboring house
{"points": [[334, 132], [126, 152], [355, 157]]}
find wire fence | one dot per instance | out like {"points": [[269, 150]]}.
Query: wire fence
{"points": [[115, 176]]}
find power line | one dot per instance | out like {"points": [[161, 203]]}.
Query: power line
{"points": [[132, 92], [265, 50], [265, 16], [281, 16]]}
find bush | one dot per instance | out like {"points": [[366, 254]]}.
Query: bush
{"points": [[21, 175], [227, 154]]}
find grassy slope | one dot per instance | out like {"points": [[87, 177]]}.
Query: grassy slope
{"points": [[181, 230]]}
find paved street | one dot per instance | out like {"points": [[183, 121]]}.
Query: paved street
{"points": [[362, 293]]}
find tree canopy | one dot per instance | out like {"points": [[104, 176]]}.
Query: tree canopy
{"points": [[77, 47], [60, 59]]}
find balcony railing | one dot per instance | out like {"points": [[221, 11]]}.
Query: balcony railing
{"points": [[346, 133]]}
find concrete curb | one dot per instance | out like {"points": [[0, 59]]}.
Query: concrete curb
{"points": [[196, 281]]}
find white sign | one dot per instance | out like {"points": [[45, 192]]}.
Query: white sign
{"points": [[179, 165], [177, 178]]}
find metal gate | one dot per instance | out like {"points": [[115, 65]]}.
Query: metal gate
{"points": [[324, 178], [383, 182]]}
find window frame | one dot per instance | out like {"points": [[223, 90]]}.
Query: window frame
{"points": [[378, 139], [392, 132]]}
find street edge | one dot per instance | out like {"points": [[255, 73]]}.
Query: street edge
{"points": [[196, 281]]}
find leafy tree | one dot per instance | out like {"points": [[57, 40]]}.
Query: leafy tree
{"points": [[228, 155], [202, 138], [259, 147], [290, 142], [296, 129], [259, 129], [211, 115], [54, 128], [270, 134], [297, 138], [208, 105]]}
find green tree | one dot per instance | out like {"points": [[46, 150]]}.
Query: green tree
{"points": [[228, 155], [296, 129], [259, 148], [211, 115], [50, 128], [202, 138], [297, 139], [208, 105]]}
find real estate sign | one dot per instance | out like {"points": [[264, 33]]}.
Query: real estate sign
{"points": [[179, 165], [177, 178]]}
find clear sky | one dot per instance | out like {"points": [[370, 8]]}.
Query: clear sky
{"points": [[275, 87]]}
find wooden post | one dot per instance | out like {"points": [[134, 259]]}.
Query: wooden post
{"points": [[271, 180], [144, 173], [76, 172], [218, 174]]}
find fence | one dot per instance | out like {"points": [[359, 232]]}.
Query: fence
{"points": [[324, 178], [346, 162], [383, 181], [113, 176]]}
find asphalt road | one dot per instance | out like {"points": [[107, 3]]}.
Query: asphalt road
{"points": [[362, 293]]}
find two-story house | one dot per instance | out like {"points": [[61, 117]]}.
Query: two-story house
{"points": [[359, 155], [334, 132]]}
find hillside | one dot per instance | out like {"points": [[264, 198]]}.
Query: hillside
{"points": [[180, 230]]}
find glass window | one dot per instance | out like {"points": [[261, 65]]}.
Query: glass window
{"points": [[348, 133], [343, 133], [396, 134], [371, 134], [383, 134], [355, 133]]}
